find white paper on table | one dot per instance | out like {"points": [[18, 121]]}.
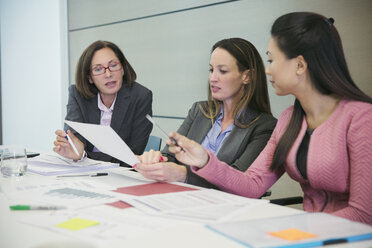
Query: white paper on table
{"points": [[73, 194], [112, 226], [52, 165], [204, 205], [106, 140]]}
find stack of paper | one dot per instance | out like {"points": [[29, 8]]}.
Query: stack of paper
{"points": [[52, 165]]}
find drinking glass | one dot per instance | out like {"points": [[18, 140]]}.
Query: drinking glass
{"points": [[13, 161]]}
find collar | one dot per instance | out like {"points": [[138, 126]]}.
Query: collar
{"points": [[103, 107]]}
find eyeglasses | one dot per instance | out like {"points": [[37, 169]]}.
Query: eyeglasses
{"points": [[99, 70]]}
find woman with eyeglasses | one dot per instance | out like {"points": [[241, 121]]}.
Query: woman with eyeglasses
{"points": [[234, 124], [324, 141], [106, 93]]}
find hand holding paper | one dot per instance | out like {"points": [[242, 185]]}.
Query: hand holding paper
{"points": [[106, 140]]}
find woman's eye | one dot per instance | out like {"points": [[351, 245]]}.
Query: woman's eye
{"points": [[223, 71], [269, 61], [97, 69]]}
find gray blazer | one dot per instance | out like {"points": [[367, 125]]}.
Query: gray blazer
{"points": [[128, 118], [240, 148]]}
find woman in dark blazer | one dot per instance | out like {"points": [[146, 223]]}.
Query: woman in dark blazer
{"points": [[235, 123], [106, 93]]}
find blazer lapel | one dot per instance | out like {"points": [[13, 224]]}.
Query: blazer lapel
{"points": [[94, 114], [231, 145], [120, 108], [204, 125], [235, 140]]}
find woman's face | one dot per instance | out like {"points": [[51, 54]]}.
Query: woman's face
{"points": [[225, 80], [282, 71], [109, 82]]}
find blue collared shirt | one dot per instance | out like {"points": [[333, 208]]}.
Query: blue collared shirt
{"points": [[215, 138]]}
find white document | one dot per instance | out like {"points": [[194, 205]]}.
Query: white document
{"points": [[106, 140], [204, 205], [73, 194], [110, 226], [52, 165]]}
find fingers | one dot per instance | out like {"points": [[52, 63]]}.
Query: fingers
{"points": [[60, 133], [152, 171], [151, 157]]}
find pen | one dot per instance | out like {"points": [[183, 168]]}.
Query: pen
{"points": [[154, 123], [86, 175], [30, 207], [72, 144]]}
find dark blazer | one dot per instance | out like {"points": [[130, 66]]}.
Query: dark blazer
{"points": [[239, 149], [128, 118]]}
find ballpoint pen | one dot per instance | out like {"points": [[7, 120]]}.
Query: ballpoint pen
{"points": [[154, 123], [35, 207], [72, 144], [86, 175]]}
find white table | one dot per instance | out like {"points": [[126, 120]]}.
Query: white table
{"points": [[187, 234]]}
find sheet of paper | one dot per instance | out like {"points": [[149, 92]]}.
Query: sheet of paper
{"points": [[203, 205], [73, 194], [99, 226], [52, 165], [106, 140]]}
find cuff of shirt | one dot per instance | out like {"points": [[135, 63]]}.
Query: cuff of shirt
{"points": [[82, 157]]}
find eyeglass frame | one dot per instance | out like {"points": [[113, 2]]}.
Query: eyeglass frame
{"points": [[106, 67]]}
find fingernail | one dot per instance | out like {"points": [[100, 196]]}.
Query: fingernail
{"points": [[161, 159], [134, 166]]}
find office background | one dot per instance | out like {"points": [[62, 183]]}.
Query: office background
{"points": [[167, 42]]}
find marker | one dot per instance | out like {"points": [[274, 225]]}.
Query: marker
{"points": [[154, 123], [86, 175], [72, 144], [30, 207]]}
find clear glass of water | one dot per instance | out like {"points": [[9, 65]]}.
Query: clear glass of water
{"points": [[13, 161]]}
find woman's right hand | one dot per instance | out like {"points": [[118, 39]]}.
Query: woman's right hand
{"points": [[188, 151], [63, 147]]}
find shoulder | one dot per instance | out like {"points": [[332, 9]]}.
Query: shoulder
{"points": [[286, 115], [355, 115], [197, 105], [73, 92], [352, 107], [139, 88], [267, 120], [72, 89]]}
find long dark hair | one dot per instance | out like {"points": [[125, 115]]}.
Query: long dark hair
{"points": [[82, 76], [255, 94], [315, 38]]}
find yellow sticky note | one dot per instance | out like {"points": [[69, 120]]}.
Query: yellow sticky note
{"points": [[76, 224], [292, 234]]}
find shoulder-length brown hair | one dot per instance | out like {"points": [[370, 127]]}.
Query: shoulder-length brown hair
{"points": [[255, 94], [83, 68]]}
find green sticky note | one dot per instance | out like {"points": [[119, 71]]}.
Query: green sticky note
{"points": [[76, 224]]}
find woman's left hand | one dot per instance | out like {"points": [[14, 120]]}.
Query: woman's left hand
{"points": [[163, 172]]}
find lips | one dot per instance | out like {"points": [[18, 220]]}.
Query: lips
{"points": [[110, 84], [214, 89]]}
